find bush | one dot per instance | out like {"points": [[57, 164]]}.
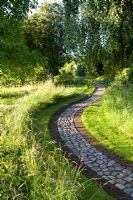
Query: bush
{"points": [[68, 75], [130, 76]]}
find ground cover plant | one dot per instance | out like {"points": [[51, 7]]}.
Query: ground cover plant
{"points": [[111, 119], [32, 167]]}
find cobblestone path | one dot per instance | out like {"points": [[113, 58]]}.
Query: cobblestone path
{"points": [[110, 170]]}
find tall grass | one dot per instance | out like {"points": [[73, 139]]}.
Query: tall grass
{"points": [[111, 119], [31, 165], [28, 171]]}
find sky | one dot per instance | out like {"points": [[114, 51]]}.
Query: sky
{"points": [[49, 1], [42, 1]]}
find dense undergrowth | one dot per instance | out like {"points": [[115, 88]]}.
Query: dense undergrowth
{"points": [[111, 119], [32, 167]]}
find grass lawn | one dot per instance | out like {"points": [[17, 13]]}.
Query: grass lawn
{"points": [[32, 167], [111, 119]]}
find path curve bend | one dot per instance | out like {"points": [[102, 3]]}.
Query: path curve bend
{"points": [[116, 179]]}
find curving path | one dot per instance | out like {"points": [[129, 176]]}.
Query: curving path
{"points": [[116, 178]]}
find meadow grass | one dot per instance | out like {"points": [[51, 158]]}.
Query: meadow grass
{"points": [[32, 167], [10, 94], [111, 119]]}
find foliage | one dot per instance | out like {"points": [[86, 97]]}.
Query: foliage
{"points": [[21, 168], [24, 154], [16, 9], [18, 65], [103, 34], [98, 35], [68, 75], [44, 32], [130, 75], [31, 166], [69, 68]]}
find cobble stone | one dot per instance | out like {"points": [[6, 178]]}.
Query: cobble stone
{"points": [[103, 166], [100, 173], [89, 165], [128, 190], [100, 162], [129, 179], [96, 169], [114, 173], [107, 173], [111, 169], [132, 195], [120, 186], [106, 168], [112, 182], [121, 181], [106, 178], [111, 163]]}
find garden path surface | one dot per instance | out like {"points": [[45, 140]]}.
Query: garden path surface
{"points": [[116, 178]]}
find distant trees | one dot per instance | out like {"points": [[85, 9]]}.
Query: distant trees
{"points": [[44, 32], [96, 34], [104, 35], [17, 63]]}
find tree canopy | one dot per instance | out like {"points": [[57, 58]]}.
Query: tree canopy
{"points": [[17, 8], [104, 32], [44, 32], [96, 34]]}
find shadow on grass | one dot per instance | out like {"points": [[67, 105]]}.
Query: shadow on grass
{"points": [[42, 115], [42, 135], [13, 95]]}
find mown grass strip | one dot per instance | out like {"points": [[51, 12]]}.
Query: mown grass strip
{"points": [[111, 120]]}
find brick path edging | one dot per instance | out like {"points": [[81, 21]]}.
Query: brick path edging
{"points": [[116, 179]]}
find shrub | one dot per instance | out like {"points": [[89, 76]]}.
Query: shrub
{"points": [[68, 75]]}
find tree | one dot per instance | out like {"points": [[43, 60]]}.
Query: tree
{"points": [[17, 63], [16, 8], [44, 32], [105, 32], [84, 14]]}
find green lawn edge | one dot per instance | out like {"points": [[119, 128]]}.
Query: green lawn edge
{"points": [[95, 119], [91, 190]]}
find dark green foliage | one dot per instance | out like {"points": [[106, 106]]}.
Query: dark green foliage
{"points": [[44, 32], [130, 75], [72, 6], [16, 8], [17, 64], [69, 75], [97, 34], [103, 34]]}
